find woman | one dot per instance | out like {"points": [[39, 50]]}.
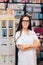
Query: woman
{"points": [[27, 42]]}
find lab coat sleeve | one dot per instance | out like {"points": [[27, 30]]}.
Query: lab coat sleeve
{"points": [[35, 37], [18, 39]]}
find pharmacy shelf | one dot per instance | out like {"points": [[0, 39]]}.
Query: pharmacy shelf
{"points": [[7, 45]]}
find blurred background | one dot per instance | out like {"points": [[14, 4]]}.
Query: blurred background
{"points": [[10, 13]]}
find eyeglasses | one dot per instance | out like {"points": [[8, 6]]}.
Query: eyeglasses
{"points": [[25, 20]]}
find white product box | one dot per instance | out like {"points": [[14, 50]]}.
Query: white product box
{"points": [[29, 5], [4, 41], [0, 24], [11, 41], [3, 24], [12, 6], [4, 50], [16, 6], [29, 9], [38, 5], [34, 15], [11, 50], [2, 5], [20, 6], [11, 59], [37, 9], [0, 33], [3, 59]]}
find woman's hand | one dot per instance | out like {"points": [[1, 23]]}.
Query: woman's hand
{"points": [[23, 47]]}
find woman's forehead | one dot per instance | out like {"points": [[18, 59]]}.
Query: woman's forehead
{"points": [[25, 18]]}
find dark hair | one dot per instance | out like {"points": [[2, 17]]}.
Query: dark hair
{"points": [[20, 23]]}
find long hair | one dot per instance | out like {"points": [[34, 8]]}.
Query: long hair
{"points": [[20, 23]]}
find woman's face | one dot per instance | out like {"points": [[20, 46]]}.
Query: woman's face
{"points": [[25, 22]]}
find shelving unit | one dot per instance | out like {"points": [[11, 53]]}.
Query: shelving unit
{"points": [[7, 45]]}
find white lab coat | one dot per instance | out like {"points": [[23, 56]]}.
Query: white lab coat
{"points": [[26, 57]]}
